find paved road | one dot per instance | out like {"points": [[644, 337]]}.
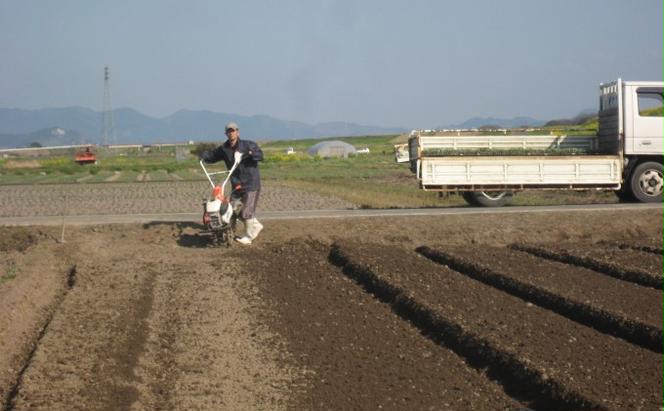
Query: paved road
{"points": [[317, 214]]}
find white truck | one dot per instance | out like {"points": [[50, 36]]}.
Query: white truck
{"points": [[624, 156]]}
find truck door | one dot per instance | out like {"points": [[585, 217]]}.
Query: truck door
{"points": [[647, 121]]}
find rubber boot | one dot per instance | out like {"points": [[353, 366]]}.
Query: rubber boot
{"points": [[254, 227]]}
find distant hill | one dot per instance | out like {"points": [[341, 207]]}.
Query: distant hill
{"points": [[17, 126], [54, 136], [477, 122], [583, 117], [79, 125]]}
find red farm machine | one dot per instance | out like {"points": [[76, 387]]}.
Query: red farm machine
{"points": [[86, 156]]}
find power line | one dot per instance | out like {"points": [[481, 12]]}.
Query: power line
{"points": [[108, 126]]}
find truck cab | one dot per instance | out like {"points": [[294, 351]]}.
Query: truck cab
{"points": [[631, 125]]}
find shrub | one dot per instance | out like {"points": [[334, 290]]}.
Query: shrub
{"points": [[285, 158], [199, 148]]}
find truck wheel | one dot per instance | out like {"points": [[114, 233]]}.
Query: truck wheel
{"points": [[488, 198], [625, 194], [646, 182]]}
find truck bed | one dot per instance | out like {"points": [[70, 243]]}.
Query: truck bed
{"points": [[539, 142], [452, 173]]}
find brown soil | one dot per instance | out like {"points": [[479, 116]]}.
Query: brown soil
{"points": [[22, 164], [627, 263], [534, 345], [152, 325], [33, 281], [360, 354], [151, 317], [654, 246], [631, 258], [584, 295], [137, 198], [18, 239]]}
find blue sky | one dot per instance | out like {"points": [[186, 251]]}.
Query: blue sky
{"points": [[412, 64]]}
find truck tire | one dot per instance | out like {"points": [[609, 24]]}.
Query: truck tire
{"points": [[488, 198], [646, 182], [625, 195]]}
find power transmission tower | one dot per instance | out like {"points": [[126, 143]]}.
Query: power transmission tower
{"points": [[108, 127]]}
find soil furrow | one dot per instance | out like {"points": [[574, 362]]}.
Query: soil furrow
{"points": [[153, 325], [193, 358], [156, 370], [646, 248], [114, 197], [157, 319], [582, 295], [653, 247], [94, 341], [358, 353], [129, 351], [532, 345], [10, 399], [610, 268], [520, 382], [626, 257]]}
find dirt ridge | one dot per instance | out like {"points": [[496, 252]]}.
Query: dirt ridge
{"points": [[630, 330], [628, 274], [648, 248], [279, 326], [505, 330], [360, 354], [519, 380], [9, 401]]}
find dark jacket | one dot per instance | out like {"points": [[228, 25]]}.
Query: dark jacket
{"points": [[246, 174]]}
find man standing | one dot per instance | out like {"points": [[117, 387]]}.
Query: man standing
{"points": [[245, 180]]}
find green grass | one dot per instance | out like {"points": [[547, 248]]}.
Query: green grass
{"points": [[376, 144], [160, 175], [9, 273], [368, 180], [562, 197], [589, 127], [652, 112], [58, 178], [19, 178], [360, 166], [440, 152], [189, 174], [375, 193], [100, 177], [127, 176]]}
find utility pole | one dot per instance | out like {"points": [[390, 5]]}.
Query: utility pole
{"points": [[108, 127]]}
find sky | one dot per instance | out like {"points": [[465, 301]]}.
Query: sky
{"points": [[410, 64]]}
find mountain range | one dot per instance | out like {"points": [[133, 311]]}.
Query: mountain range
{"points": [[78, 125], [477, 122]]}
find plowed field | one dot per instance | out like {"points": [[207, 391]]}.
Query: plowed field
{"points": [[422, 313]]}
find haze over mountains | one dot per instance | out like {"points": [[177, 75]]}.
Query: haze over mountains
{"points": [[477, 122], [78, 125], [19, 127]]}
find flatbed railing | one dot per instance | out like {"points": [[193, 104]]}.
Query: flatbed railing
{"points": [[538, 142]]}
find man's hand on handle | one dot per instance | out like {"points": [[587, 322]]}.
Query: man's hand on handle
{"points": [[238, 156]]}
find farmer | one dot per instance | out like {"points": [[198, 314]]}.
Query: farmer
{"points": [[245, 180]]}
